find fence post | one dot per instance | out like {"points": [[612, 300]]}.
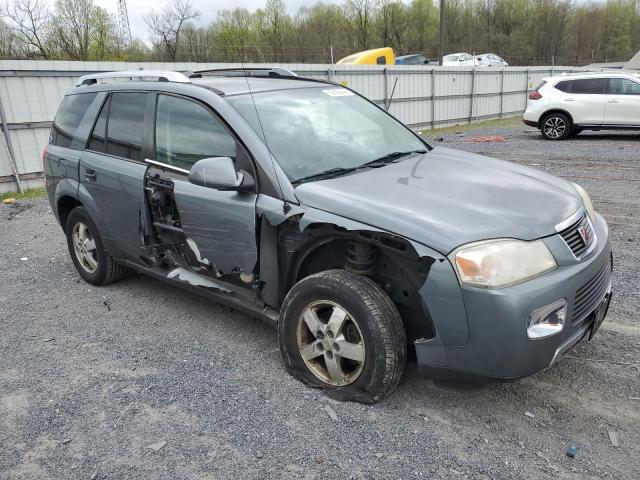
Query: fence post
{"points": [[386, 86], [501, 92], [12, 155], [473, 88], [526, 90], [433, 98], [333, 72]]}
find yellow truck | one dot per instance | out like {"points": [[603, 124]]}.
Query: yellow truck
{"points": [[377, 56]]}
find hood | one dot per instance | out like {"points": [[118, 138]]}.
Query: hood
{"points": [[446, 198]]}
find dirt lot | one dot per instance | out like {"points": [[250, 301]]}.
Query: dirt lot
{"points": [[90, 377]]}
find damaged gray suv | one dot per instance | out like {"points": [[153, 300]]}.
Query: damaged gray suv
{"points": [[302, 203]]}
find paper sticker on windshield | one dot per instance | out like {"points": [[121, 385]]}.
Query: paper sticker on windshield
{"points": [[338, 92]]}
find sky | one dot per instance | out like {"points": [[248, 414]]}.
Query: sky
{"points": [[207, 8]]}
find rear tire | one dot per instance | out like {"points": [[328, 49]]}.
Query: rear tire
{"points": [[556, 126], [87, 251], [341, 332]]}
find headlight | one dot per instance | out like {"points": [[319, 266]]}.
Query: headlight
{"points": [[586, 200], [500, 263]]}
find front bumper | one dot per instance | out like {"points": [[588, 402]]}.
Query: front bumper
{"points": [[497, 344]]}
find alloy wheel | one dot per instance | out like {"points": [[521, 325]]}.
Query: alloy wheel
{"points": [[85, 247], [555, 127], [330, 343]]}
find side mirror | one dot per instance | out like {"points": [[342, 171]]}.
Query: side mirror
{"points": [[220, 173]]}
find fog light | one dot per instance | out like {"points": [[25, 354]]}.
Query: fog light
{"points": [[547, 320]]}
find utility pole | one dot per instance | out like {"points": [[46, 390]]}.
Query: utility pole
{"points": [[441, 31], [123, 24]]}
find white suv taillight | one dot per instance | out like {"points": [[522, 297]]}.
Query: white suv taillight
{"points": [[535, 95]]}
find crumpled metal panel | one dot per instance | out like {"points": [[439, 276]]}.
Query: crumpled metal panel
{"points": [[222, 224]]}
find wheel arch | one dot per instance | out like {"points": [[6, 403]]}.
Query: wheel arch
{"points": [[555, 110], [65, 204], [398, 269]]}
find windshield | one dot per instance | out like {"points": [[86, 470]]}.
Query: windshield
{"points": [[451, 58], [313, 130]]}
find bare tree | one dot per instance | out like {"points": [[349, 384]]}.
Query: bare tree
{"points": [[72, 27], [393, 25], [167, 24], [29, 22], [359, 17]]}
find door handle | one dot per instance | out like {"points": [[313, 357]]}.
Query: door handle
{"points": [[90, 175], [613, 100], [569, 100]]}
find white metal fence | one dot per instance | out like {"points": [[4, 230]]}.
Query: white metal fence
{"points": [[420, 96]]}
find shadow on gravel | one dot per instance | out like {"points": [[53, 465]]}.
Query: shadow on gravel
{"points": [[613, 137]]}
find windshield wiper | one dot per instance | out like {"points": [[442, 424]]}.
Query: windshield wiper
{"points": [[378, 162], [390, 157], [326, 173]]}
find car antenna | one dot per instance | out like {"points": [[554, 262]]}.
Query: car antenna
{"points": [[285, 205]]}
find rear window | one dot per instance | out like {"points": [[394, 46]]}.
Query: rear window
{"points": [[68, 118], [416, 60], [542, 84]]}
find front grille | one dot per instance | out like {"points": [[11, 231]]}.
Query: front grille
{"points": [[579, 236], [591, 293]]}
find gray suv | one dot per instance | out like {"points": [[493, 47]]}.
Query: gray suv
{"points": [[304, 204]]}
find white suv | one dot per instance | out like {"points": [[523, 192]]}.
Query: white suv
{"points": [[567, 104]]}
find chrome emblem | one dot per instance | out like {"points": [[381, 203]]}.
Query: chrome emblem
{"points": [[585, 232]]}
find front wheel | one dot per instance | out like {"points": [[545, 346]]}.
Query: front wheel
{"points": [[556, 126], [341, 332]]}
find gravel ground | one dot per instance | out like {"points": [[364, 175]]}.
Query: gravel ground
{"points": [[91, 377]]}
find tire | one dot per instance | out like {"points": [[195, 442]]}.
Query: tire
{"points": [[371, 330], [556, 126], [87, 251]]}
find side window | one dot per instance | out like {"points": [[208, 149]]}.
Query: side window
{"points": [[564, 86], [69, 116], [187, 132], [381, 60], [99, 135], [622, 86], [126, 125], [631, 88], [590, 86]]}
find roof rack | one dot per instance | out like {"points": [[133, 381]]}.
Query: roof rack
{"points": [[245, 72], [162, 76]]}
